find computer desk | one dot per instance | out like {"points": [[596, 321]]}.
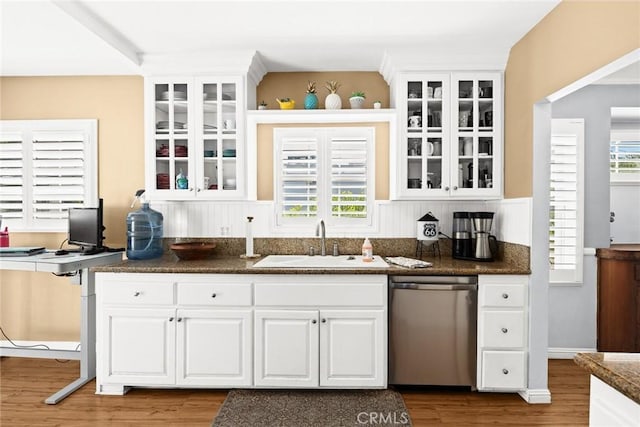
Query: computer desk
{"points": [[48, 262]]}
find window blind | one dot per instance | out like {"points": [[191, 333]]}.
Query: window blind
{"points": [[48, 166], [299, 177], [625, 157], [348, 180], [566, 201]]}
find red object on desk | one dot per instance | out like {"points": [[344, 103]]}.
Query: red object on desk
{"points": [[4, 238]]}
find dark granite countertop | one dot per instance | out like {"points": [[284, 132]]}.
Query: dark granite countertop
{"points": [[227, 264], [620, 370]]}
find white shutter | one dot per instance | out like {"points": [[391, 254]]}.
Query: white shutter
{"points": [[349, 179], [12, 167], [298, 181], [48, 166], [566, 200]]}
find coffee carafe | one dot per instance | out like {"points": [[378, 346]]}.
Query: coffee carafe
{"points": [[462, 244], [482, 250]]}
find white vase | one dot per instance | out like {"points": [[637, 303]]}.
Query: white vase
{"points": [[356, 102], [332, 102]]}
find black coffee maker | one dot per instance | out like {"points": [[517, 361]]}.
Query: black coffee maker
{"points": [[462, 245]]}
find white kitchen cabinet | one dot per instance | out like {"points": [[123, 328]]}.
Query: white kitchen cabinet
{"points": [[610, 408], [178, 330], [502, 332], [450, 142], [194, 129], [334, 337]]}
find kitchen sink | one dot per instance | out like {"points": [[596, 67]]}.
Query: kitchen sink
{"points": [[317, 261]]}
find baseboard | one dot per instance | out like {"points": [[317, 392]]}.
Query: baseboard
{"points": [[53, 349], [567, 353], [536, 396]]}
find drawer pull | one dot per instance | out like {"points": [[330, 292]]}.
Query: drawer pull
{"points": [[136, 294], [504, 330], [213, 295], [179, 319], [505, 371], [324, 320], [505, 296], [170, 319], [314, 321]]}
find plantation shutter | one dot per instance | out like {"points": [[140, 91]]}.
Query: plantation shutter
{"points": [[12, 169], [56, 170], [348, 160], [566, 201], [299, 177]]}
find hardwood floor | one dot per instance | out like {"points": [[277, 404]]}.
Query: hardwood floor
{"points": [[25, 383]]}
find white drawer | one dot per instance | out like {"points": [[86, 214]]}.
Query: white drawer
{"points": [[214, 294], [502, 295], [502, 329], [503, 369], [320, 294], [142, 293]]}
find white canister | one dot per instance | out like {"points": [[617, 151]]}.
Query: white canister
{"points": [[428, 228]]}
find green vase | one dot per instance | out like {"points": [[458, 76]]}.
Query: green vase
{"points": [[310, 101]]}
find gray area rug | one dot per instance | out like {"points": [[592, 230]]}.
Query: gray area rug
{"points": [[311, 408]]}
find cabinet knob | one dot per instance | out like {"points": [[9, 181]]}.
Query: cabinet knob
{"points": [[455, 187], [504, 330], [213, 295], [505, 371], [136, 294], [191, 189], [170, 319], [198, 189], [179, 319], [324, 320], [446, 188], [314, 321], [505, 296]]}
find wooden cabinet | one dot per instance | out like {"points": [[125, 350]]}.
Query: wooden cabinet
{"points": [[173, 330], [502, 332], [450, 143], [619, 298], [194, 137], [325, 331]]}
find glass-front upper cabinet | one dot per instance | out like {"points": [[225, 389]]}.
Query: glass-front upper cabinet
{"points": [[194, 138], [424, 134], [477, 135]]}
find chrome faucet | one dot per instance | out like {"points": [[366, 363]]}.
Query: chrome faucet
{"points": [[320, 231]]}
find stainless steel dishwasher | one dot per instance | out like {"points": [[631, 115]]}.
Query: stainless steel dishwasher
{"points": [[432, 330]]}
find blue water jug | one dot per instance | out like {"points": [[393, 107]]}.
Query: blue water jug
{"points": [[144, 233]]}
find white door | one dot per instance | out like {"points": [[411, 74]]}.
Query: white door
{"points": [[353, 346], [139, 346], [286, 343], [214, 347]]}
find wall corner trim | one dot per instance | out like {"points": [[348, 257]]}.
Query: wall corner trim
{"points": [[536, 396]]}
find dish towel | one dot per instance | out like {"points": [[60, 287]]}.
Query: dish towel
{"points": [[408, 262]]}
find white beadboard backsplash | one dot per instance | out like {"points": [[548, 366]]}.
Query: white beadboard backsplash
{"points": [[512, 222]]}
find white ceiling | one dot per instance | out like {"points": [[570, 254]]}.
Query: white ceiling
{"points": [[93, 37]]}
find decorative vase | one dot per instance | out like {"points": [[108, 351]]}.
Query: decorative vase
{"points": [[262, 107], [356, 102], [333, 102], [310, 101], [377, 105]]}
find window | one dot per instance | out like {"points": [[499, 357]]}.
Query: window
{"points": [[624, 163], [46, 167], [324, 173], [566, 199]]}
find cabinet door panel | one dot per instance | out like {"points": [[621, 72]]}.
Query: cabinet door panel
{"points": [[353, 348], [286, 343], [214, 347], [138, 346], [503, 370]]}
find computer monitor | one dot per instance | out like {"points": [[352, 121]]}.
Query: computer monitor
{"points": [[85, 228]]}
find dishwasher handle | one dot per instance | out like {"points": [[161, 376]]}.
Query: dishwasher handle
{"points": [[436, 286]]}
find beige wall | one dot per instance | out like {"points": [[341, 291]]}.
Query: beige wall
{"points": [[265, 156], [294, 86], [39, 306], [575, 39]]}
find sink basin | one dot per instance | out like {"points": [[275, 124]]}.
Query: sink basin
{"points": [[317, 261]]}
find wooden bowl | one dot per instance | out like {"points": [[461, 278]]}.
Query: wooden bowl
{"points": [[193, 250]]}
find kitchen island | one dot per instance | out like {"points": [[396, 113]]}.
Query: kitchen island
{"points": [[615, 387]]}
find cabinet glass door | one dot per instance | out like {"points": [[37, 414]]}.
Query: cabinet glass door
{"points": [[218, 136], [171, 120], [475, 135], [425, 139]]}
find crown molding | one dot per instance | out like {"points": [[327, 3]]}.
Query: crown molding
{"points": [[205, 62]]}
